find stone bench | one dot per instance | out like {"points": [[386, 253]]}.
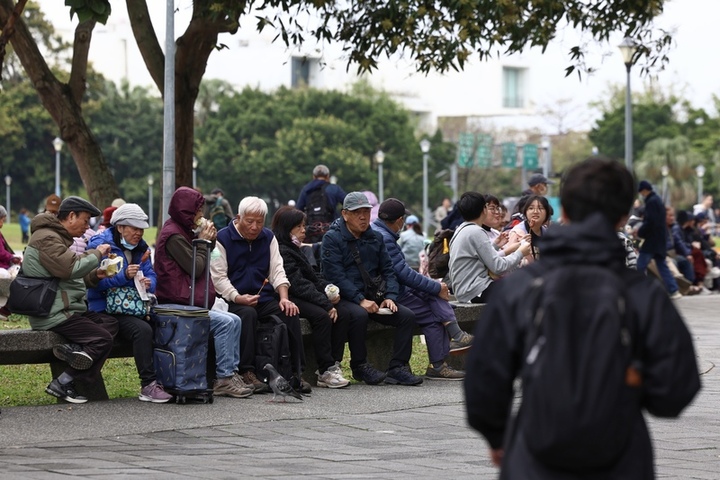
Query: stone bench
{"points": [[19, 347]]}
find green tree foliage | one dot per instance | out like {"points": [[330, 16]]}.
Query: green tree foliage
{"points": [[437, 36], [650, 120], [272, 141]]}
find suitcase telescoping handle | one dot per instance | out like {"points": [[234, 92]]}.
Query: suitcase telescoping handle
{"points": [[195, 243]]}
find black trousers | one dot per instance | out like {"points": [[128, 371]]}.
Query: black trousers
{"points": [[95, 333], [250, 317], [140, 333], [404, 322]]}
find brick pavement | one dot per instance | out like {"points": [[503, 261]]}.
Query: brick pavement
{"points": [[360, 432]]}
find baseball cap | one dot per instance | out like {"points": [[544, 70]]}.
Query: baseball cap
{"points": [[355, 200], [130, 214], [391, 209], [52, 203], [539, 178], [77, 204], [412, 219]]}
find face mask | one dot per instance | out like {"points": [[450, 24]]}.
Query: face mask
{"points": [[127, 245], [295, 240]]}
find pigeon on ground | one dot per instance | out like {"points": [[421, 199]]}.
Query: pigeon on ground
{"points": [[279, 385]]}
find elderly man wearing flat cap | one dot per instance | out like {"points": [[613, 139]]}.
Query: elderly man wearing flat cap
{"points": [[355, 259], [91, 334]]}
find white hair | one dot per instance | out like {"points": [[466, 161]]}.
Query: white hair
{"points": [[252, 205]]}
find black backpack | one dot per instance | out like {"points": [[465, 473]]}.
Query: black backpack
{"points": [[320, 214], [218, 216], [580, 377], [438, 254], [271, 346]]}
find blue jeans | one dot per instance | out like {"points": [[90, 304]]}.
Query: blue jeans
{"points": [[643, 261], [225, 327]]}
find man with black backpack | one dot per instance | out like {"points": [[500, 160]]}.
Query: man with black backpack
{"points": [[595, 344], [319, 199]]}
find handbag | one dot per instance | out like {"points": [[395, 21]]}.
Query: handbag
{"points": [[33, 296], [126, 301], [375, 288]]}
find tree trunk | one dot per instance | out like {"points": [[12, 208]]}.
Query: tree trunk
{"points": [[193, 50], [66, 112]]}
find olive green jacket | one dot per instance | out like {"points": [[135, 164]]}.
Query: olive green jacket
{"points": [[48, 255]]}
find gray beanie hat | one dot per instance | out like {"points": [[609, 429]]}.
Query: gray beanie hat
{"points": [[130, 214]]}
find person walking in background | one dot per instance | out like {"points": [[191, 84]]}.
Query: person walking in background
{"points": [[562, 430], [412, 242], [24, 221], [653, 230], [125, 237], [319, 200]]}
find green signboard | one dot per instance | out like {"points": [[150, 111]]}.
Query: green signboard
{"points": [[483, 153], [466, 142], [530, 156], [509, 155]]}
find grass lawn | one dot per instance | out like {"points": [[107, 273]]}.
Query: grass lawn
{"points": [[25, 384]]}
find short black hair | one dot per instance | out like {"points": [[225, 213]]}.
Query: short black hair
{"points": [[597, 184], [284, 220], [471, 205], [491, 199], [543, 201]]}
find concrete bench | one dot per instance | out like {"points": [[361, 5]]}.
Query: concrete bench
{"points": [[18, 347]]}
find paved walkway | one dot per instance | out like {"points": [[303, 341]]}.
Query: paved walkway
{"points": [[359, 432]]}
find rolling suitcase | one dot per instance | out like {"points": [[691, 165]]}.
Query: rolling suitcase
{"points": [[181, 338]]}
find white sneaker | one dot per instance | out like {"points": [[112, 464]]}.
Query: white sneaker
{"points": [[676, 295], [332, 378]]}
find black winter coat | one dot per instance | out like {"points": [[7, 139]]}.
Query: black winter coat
{"points": [[670, 375], [304, 282], [654, 228]]}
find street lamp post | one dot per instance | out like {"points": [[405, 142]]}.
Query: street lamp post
{"points": [[150, 200], [546, 147], [58, 145], [700, 171], [425, 147], [628, 49], [8, 181], [664, 170], [379, 159], [195, 165]]}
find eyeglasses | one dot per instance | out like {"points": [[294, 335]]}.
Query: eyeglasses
{"points": [[493, 208]]}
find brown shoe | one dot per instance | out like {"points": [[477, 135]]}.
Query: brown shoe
{"points": [[251, 380], [228, 387]]}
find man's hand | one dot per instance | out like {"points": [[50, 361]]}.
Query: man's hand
{"points": [[444, 292], [335, 300], [288, 307], [333, 314], [502, 239], [209, 232], [525, 248], [387, 303], [249, 300], [369, 305], [101, 273], [104, 249]]}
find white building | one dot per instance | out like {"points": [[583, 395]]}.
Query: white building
{"points": [[501, 92]]}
